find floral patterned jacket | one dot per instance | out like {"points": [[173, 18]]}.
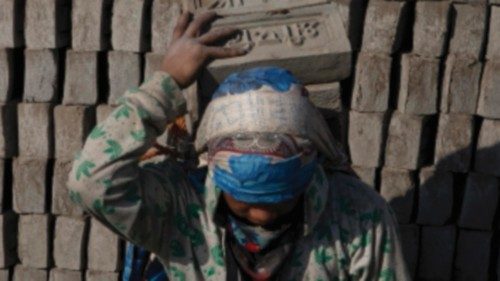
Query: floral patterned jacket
{"points": [[349, 231]]}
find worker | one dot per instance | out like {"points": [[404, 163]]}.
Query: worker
{"points": [[276, 199]]}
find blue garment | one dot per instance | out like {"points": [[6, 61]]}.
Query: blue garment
{"points": [[139, 267]]}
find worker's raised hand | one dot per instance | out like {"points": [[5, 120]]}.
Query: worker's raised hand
{"points": [[190, 50]]}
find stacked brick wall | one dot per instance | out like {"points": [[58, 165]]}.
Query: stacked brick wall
{"points": [[415, 101]]}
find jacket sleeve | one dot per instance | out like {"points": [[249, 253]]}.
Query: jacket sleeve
{"points": [[138, 203]]}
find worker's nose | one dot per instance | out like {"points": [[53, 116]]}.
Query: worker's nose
{"points": [[261, 216]]}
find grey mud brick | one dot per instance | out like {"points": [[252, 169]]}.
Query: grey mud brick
{"points": [[460, 89], [81, 82], [468, 36], [430, 28], [47, 24], [487, 159], [3, 186], [410, 237], [33, 241], [70, 243], [103, 111], [472, 256], [474, 2], [494, 34], [8, 130], [6, 74], [129, 30], [72, 123], [489, 98], [454, 142], [104, 248], [397, 187], [437, 247], [407, 138], [101, 276], [29, 185], [366, 138], [352, 15], [5, 274], [366, 175], [61, 202], [479, 202], [310, 42], [41, 75], [230, 7], [418, 92], [11, 23], [24, 273], [435, 204], [372, 83], [163, 20], [57, 274], [152, 64], [91, 25], [8, 239], [383, 24], [327, 98], [124, 73], [35, 130]]}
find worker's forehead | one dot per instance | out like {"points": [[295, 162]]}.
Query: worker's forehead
{"points": [[259, 138]]}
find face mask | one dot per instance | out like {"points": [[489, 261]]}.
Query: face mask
{"points": [[254, 238]]}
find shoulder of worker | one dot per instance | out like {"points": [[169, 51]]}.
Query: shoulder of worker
{"points": [[352, 199]]}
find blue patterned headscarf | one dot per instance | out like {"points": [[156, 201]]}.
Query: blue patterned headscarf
{"points": [[279, 79], [276, 158]]}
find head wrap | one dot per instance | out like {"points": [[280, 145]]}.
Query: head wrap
{"points": [[260, 102]]}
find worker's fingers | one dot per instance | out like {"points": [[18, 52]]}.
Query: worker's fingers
{"points": [[198, 22], [181, 26], [217, 34], [224, 52]]}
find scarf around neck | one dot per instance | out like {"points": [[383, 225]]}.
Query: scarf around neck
{"points": [[260, 252]]}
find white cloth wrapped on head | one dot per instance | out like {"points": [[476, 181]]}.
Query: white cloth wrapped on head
{"points": [[267, 109]]}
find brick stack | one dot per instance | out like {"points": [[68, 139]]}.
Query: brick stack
{"points": [[428, 141], [46, 116], [454, 148], [480, 203], [11, 41], [368, 118], [44, 36], [418, 97]]}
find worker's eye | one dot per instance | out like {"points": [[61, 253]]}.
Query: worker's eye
{"points": [[243, 137], [273, 137]]}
